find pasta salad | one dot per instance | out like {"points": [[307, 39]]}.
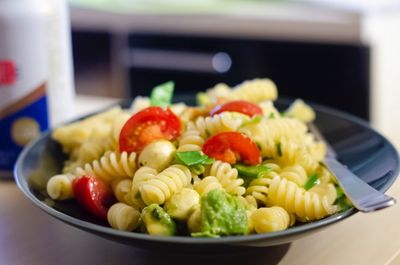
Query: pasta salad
{"points": [[233, 165]]}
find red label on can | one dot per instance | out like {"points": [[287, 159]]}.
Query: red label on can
{"points": [[8, 73]]}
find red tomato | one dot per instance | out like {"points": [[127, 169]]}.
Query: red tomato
{"points": [[232, 146], [93, 194], [241, 106], [147, 126]]}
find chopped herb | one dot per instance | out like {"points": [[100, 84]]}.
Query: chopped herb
{"points": [[339, 192], [192, 158], [162, 94], [248, 173], [279, 148], [343, 203], [208, 161], [254, 120], [312, 181], [341, 199], [157, 213], [271, 115], [197, 169]]}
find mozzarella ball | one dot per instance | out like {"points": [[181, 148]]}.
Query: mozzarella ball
{"points": [[157, 155]]}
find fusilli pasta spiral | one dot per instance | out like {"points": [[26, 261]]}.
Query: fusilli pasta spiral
{"points": [[122, 190], [268, 132], [191, 140], [270, 219], [207, 184], [142, 175], [223, 122], [256, 90], [159, 189], [258, 188], [123, 217], [59, 187], [111, 166], [228, 177], [306, 205], [295, 173]]}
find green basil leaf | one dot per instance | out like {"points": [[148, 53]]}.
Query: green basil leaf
{"points": [[162, 94], [341, 199], [311, 182], [192, 158], [254, 120], [343, 203], [197, 169], [208, 161], [271, 115], [252, 171]]}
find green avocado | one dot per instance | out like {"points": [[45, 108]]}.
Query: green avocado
{"points": [[157, 221], [222, 215]]}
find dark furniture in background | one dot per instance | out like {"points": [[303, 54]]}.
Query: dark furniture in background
{"points": [[336, 75]]}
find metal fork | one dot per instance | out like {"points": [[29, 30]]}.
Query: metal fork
{"points": [[362, 196]]}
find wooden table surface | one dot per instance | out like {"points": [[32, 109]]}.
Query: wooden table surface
{"points": [[30, 236]]}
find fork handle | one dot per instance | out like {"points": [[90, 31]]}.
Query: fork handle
{"points": [[363, 196]]}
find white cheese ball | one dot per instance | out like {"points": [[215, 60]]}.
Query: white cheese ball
{"points": [[157, 155]]}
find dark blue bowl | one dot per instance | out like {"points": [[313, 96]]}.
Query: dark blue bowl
{"points": [[366, 152]]}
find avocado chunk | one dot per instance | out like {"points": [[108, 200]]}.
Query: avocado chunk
{"points": [[157, 221], [222, 215]]}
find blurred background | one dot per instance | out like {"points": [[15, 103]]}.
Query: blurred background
{"points": [[340, 53]]}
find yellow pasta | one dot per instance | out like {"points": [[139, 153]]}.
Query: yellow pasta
{"points": [[269, 110], [122, 189], [295, 173], [110, 166], [165, 177], [142, 175], [255, 91], [207, 184], [292, 153], [270, 219], [301, 111], [123, 217], [269, 132], [224, 122], [59, 187], [159, 189], [191, 140], [306, 205], [258, 188], [228, 177]]}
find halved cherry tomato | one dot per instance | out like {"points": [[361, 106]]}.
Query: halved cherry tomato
{"points": [[241, 106], [232, 146], [147, 126], [93, 194]]}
